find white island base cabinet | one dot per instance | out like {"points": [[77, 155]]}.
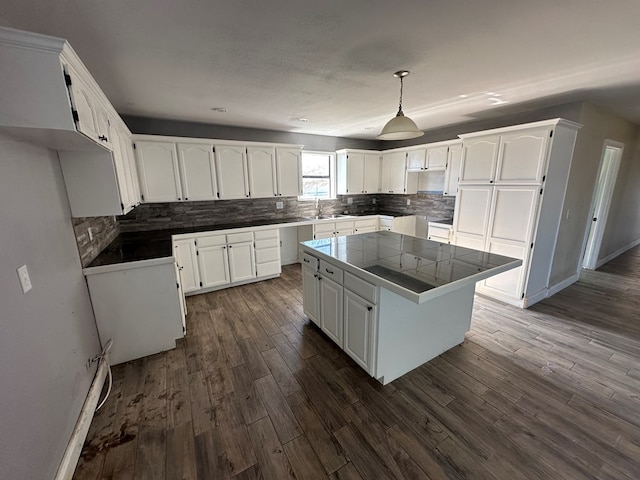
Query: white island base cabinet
{"points": [[138, 306]]}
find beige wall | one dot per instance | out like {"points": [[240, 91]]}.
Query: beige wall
{"points": [[623, 226]]}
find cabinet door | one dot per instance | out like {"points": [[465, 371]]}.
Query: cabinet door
{"points": [[355, 173], [158, 169], [311, 294], [522, 157], [185, 253], [121, 160], [231, 172], [513, 219], [197, 171], [289, 179], [452, 171], [416, 160], [262, 172], [129, 164], [359, 318], [371, 173], [394, 171], [437, 158], [214, 265], [471, 218], [479, 158], [331, 310], [84, 103], [103, 124], [241, 262]]}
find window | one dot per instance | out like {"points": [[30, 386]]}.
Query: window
{"points": [[317, 175]]}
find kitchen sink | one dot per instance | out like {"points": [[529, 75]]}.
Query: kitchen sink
{"points": [[327, 217]]}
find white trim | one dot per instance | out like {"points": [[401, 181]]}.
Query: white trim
{"points": [[210, 141], [74, 447], [535, 298], [563, 284], [618, 252], [594, 251], [545, 123]]}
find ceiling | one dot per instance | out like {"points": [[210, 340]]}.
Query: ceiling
{"points": [[332, 61]]}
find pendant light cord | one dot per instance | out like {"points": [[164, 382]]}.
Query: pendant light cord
{"points": [[400, 112]]}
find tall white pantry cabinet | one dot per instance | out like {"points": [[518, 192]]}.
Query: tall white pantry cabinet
{"points": [[510, 196]]}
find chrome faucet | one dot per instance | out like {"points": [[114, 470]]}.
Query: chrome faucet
{"points": [[318, 208]]}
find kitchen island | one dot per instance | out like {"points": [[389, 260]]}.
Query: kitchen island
{"points": [[390, 301]]}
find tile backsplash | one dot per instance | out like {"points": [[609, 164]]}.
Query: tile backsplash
{"points": [[103, 229], [153, 216]]}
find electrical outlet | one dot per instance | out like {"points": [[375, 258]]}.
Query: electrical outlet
{"points": [[408, 202], [349, 200], [25, 281], [90, 232], [374, 201], [568, 213], [279, 205]]}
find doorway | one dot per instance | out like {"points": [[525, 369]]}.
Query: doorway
{"points": [[609, 165]]}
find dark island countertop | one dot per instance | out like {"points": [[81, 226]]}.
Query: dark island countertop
{"points": [[146, 245]]}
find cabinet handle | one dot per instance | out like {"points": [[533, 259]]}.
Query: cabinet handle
{"points": [[230, 246], [305, 260], [103, 138], [490, 181], [315, 275], [186, 198], [329, 271], [369, 308]]}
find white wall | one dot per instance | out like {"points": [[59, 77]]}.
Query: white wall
{"points": [[47, 335], [623, 225]]}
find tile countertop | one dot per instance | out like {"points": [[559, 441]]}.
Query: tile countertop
{"points": [[152, 244], [412, 267]]}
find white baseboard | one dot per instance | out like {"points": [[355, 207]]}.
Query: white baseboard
{"points": [[535, 298], [74, 447], [563, 284], [618, 252]]}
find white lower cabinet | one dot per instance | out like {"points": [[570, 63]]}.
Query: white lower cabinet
{"points": [[359, 318], [331, 309], [343, 306], [214, 261], [185, 253]]}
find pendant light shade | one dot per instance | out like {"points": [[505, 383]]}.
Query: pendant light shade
{"points": [[400, 127]]}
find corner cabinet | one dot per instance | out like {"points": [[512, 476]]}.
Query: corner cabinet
{"points": [[49, 98], [510, 202]]}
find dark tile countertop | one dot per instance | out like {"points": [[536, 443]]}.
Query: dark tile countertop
{"points": [[136, 246]]}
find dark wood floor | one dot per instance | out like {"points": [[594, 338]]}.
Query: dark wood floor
{"points": [[254, 391]]}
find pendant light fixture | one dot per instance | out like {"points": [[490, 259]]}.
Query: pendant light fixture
{"points": [[400, 127]]}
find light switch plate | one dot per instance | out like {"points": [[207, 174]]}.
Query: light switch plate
{"points": [[408, 202], [349, 200], [25, 281], [279, 205], [374, 201]]}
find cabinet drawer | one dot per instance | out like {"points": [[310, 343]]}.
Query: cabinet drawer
{"points": [[438, 231], [366, 222], [309, 261], [358, 286], [264, 255], [268, 243], [331, 271], [265, 234], [344, 225], [212, 241], [270, 268], [435, 238], [324, 227], [240, 237]]}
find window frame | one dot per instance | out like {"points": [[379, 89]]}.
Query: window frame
{"points": [[332, 175]]}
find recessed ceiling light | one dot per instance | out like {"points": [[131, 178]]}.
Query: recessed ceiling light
{"points": [[369, 128], [302, 119], [463, 96], [498, 101], [220, 109]]}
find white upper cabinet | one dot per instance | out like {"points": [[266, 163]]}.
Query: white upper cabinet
{"points": [[288, 172], [231, 167], [522, 156], [394, 173], [261, 165], [479, 160], [371, 181], [436, 158], [452, 172], [197, 171], [85, 104], [158, 171], [416, 160], [358, 172]]}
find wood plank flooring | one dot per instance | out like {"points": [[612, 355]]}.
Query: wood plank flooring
{"points": [[255, 391]]}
